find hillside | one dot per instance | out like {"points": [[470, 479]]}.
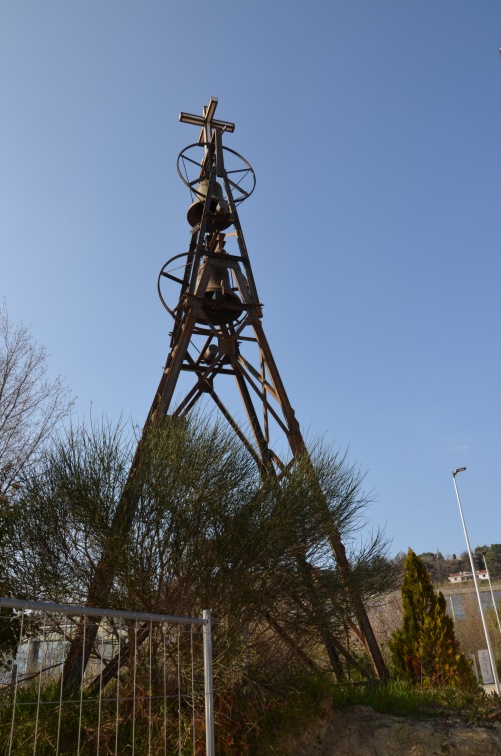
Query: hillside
{"points": [[440, 567]]}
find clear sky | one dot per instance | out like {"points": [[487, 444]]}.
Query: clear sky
{"points": [[374, 129]]}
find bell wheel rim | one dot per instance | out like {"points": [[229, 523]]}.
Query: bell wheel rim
{"points": [[241, 179]]}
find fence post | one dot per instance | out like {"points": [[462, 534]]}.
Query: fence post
{"points": [[210, 743]]}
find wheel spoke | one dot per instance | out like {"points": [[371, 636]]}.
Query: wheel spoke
{"points": [[235, 176], [239, 188]]}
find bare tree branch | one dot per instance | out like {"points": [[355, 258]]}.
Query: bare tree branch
{"points": [[31, 404]]}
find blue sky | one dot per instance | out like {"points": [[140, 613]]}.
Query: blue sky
{"points": [[374, 129]]}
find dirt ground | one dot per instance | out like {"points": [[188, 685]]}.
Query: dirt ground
{"points": [[360, 731]]}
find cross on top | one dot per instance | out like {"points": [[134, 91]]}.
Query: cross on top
{"points": [[207, 121]]}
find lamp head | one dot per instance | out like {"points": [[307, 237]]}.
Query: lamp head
{"points": [[455, 472]]}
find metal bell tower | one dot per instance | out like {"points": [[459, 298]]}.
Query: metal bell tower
{"points": [[217, 316], [218, 332], [217, 337]]}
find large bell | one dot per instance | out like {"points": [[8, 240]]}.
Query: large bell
{"points": [[219, 295], [219, 218]]}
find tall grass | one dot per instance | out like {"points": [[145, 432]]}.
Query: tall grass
{"points": [[81, 723], [405, 700], [250, 719]]}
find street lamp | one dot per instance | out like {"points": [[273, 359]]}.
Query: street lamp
{"points": [[492, 592], [487, 639]]}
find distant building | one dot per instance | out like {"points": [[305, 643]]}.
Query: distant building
{"points": [[462, 577]]}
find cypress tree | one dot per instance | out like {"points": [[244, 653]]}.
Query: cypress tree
{"points": [[425, 650]]}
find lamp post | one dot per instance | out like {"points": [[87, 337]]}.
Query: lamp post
{"points": [[487, 639], [492, 592]]}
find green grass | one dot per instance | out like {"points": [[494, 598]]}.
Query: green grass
{"points": [[79, 720], [405, 700], [250, 718]]}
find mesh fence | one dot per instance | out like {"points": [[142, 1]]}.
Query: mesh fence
{"points": [[139, 682]]}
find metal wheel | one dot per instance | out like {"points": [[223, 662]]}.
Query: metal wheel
{"points": [[173, 280], [173, 270], [239, 172]]}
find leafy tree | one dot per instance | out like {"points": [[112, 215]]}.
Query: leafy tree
{"points": [[490, 556], [425, 650], [438, 567], [428, 558], [494, 559]]}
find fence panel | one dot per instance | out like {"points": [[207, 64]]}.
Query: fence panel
{"points": [[146, 687]]}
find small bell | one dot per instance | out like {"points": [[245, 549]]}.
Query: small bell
{"points": [[219, 294], [219, 216], [210, 353]]}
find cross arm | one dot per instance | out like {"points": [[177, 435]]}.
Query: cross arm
{"points": [[207, 122]]}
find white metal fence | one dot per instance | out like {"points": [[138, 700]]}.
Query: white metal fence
{"points": [[145, 689]]}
